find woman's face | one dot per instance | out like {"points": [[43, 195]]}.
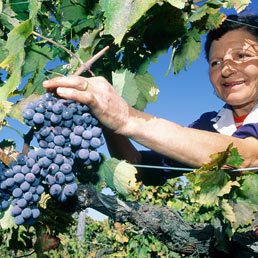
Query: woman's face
{"points": [[233, 69]]}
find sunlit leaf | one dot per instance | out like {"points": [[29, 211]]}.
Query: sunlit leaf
{"points": [[125, 85], [123, 14]]}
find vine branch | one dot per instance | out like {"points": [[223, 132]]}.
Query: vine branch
{"points": [[59, 45], [87, 65]]}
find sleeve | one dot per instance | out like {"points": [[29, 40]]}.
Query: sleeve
{"points": [[246, 131]]}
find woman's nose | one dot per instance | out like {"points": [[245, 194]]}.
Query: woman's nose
{"points": [[228, 67]]}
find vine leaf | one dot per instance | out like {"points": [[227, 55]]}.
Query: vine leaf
{"points": [[5, 107], [125, 85], [46, 242], [189, 49], [239, 5], [148, 90], [6, 219], [123, 14], [15, 59], [120, 176]]}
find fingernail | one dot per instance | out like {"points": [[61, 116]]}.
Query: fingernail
{"points": [[45, 83]]}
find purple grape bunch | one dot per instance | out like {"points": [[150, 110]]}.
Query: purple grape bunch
{"points": [[67, 134]]}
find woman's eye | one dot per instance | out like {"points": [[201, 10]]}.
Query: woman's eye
{"points": [[214, 63], [242, 56]]}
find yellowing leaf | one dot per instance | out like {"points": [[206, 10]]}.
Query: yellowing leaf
{"points": [[227, 188], [120, 176], [239, 5], [178, 3], [5, 107], [227, 211]]}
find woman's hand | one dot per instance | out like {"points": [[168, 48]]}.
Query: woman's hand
{"points": [[98, 94]]}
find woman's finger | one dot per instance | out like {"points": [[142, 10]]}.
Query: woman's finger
{"points": [[76, 82]]}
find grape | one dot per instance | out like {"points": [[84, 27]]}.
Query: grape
{"points": [[30, 177], [52, 169], [50, 153], [35, 169], [66, 168], [21, 159], [87, 117], [85, 144], [30, 162], [59, 159], [96, 131], [40, 189], [26, 213], [38, 118], [70, 189], [95, 142], [94, 156], [59, 140], [19, 220], [19, 178], [55, 190], [66, 133], [50, 137], [83, 154], [25, 169], [67, 114], [60, 178], [76, 140], [78, 130], [35, 213], [10, 182], [44, 162], [25, 186], [28, 113], [16, 169], [16, 210], [4, 204], [27, 196], [17, 193], [40, 108], [55, 119], [22, 203], [9, 173], [50, 179]]}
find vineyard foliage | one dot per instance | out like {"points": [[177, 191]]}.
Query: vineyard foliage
{"points": [[44, 39]]}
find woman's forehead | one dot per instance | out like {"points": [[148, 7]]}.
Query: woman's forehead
{"points": [[233, 40]]}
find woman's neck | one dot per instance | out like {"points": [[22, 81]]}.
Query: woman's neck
{"points": [[241, 110]]}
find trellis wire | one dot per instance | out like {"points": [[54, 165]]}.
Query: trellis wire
{"points": [[191, 169]]}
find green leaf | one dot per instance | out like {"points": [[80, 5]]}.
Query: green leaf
{"points": [[148, 90], [189, 49], [15, 78], [121, 15], [15, 58], [249, 189], [36, 59], [125, 85], [120, 176]]}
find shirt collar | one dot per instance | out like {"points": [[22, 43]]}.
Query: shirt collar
{"points": [[224, 121]]}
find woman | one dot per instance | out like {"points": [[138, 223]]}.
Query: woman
{"points": [[233, 69]]}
